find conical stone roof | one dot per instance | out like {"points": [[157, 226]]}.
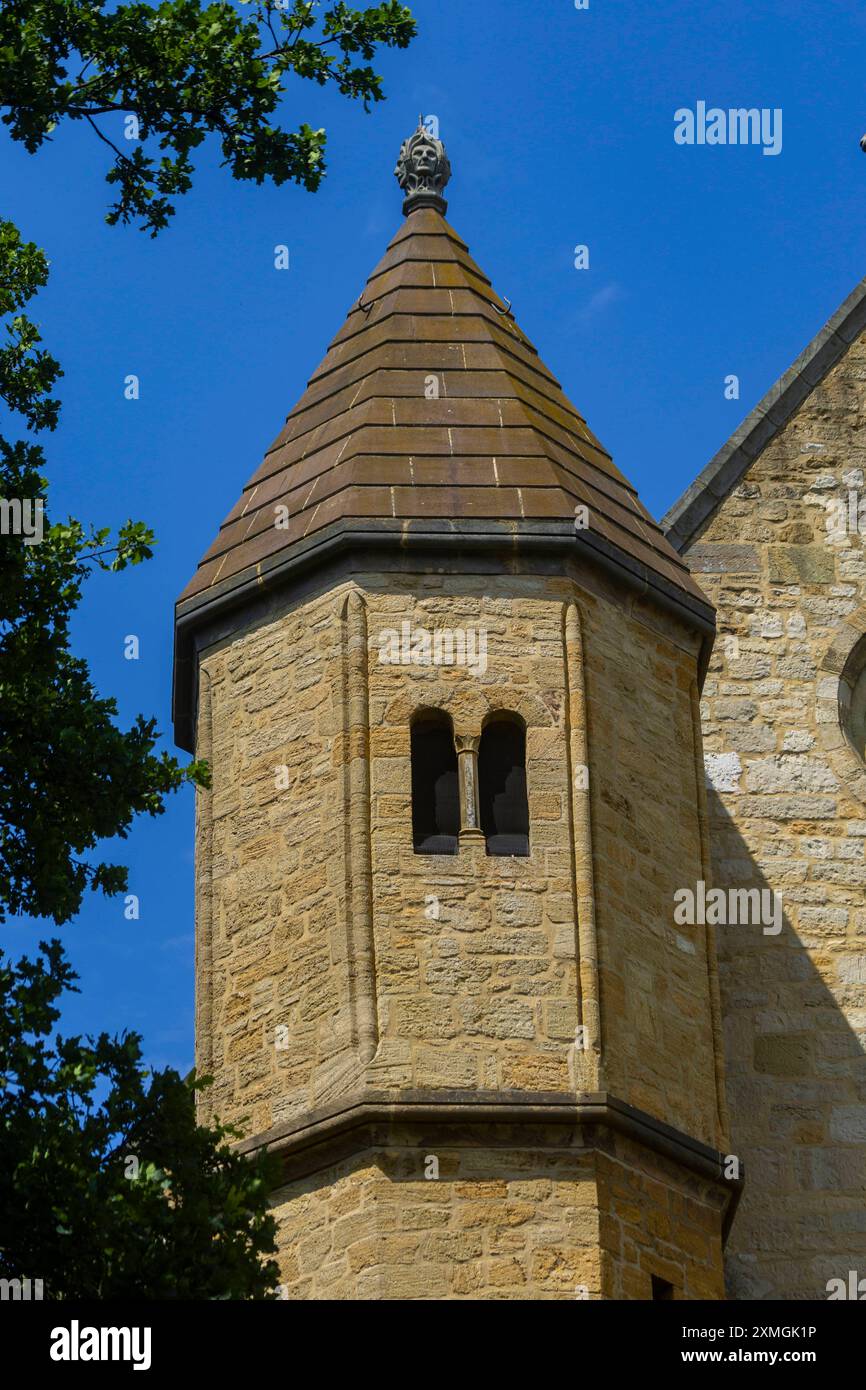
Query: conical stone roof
{"points": [[432, 403]]}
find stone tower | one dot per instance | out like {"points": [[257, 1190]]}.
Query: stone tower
{"points": [[491, 1065]]}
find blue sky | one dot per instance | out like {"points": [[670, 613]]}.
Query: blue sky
{"points": [[705, 261]]}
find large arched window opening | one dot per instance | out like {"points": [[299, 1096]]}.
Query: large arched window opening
{"points": [[435, 789], [502, 785]]}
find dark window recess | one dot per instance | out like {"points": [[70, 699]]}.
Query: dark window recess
{"points": [[661, 1288], [435, 794], [502, 787]]}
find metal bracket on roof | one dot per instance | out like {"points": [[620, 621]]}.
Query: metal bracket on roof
{"points": [[503, 313]]}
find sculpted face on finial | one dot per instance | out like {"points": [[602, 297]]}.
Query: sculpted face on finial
{"points": [[424, 159], [423, 169]]}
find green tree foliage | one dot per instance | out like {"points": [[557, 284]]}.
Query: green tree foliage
{"points": [[184, 71], [123, 1196], [27, 373]]}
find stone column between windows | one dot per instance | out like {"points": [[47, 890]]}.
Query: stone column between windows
{"points": [[467, 769]]}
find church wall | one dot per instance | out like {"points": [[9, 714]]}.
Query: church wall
{"points": [[656, 978], [488, 993], [270, 925], [426, 1216], [656, 1221], [476, 956], [788, 814], [509, 1223]]}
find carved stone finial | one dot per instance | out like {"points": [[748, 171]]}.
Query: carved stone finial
{"points": [[422, 171]]}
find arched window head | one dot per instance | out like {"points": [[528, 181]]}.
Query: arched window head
{"points": [[435, 790], [502, 785], [840, 705], [852, 699]]}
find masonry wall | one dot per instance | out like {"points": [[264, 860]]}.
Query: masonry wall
{"points": [[537, 1218], [513, 1223], [656, 1221], [473, 970], [659, 1012], [487, 992], [270, 881], [331, 959], [788, 813]]}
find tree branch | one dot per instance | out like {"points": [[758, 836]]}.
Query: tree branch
{"points": [[110, 143]]}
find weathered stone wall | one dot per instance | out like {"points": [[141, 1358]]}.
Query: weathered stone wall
{"points": [[788, 813], [331, 958], [475, 957], [656, 979], [270, 886], [475, 968], [511, 1223], [487, 993], [657, 1220], [536, 1220]]}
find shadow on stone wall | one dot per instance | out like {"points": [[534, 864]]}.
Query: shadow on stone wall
{"points": [[794, 1013]]}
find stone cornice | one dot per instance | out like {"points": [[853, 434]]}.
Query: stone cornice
{"points": [[322, 1137], [453, 547]]}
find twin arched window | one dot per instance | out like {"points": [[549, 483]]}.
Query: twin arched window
{"points": [[493, 791]]}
